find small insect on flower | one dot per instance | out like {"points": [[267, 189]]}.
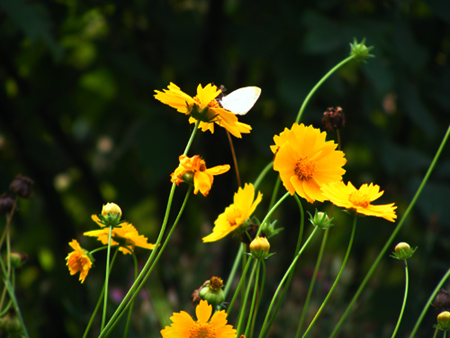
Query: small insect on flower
{"points": [[241, 100]]}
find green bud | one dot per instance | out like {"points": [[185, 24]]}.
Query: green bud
{"points": [[212, 291], [360, 50], [321, 220], [403, 251], [443, 321]]}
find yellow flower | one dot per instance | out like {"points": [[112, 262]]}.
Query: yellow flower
{"points": [[347, 196], [203, 107], [183, 326], [124, 235], [78, 260], [194, 169], [235, 215], [305, 161]]}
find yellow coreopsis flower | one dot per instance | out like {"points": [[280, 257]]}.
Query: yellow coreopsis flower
{"points": [[193, 170], [183, 326], [78, 260], [305, 161], [359, 200], [124, 235], [235, 215], [203, 107]]}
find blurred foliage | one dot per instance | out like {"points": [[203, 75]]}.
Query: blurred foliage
{"points": [[78, 116]]}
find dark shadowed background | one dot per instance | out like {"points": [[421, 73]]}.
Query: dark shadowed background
{"points": [[78, 116]]}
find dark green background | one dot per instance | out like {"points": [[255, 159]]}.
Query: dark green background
{"points": [[78, 116]]}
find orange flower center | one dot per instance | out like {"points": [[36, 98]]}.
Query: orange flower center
{"points": [[304, 169], [233, 215], [359, 199], [202, 330]]}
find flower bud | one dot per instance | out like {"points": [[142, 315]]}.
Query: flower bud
{"points": [[111, 214], [21, 186], [187, 176], [320, 219], [259, 248], [18, 259], [6, 204], [403, 251], [443, 321], [212, 291]]}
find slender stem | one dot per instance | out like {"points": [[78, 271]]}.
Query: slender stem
{"points": [[394, 233], [148, 268], [234, 269], [262, 175], [297, 248], [404, 299], [312, 283], [105, 295], [130, 310], [347, 254], [99, 302], [245, 298], [435, 333], [271, 211], [241, 282], [233, 154], [265, 327], [10, 290], [322, 80], [191, 139], [428, 303], [252, 311]]}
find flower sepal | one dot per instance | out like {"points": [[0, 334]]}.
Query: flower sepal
{"points": [[113, 221], [259, 248], [360, 50], [403, 251], [321, 220], [268, 228], [203, 114]]}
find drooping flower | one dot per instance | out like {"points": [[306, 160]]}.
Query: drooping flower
{"points": [[193, 170], [359, 200], [79, 260], [184, 326], [124, 235], [235, 215], [305, 161], [203, 107]]}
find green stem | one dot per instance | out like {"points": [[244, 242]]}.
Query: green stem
{"points": [[404, 299], [191, 139], [428, 303], [252, 311], [237, 262], [105, 295], [262, 175], [265, 327], [271, 211], [322, 80], [241, 282], [297, 248], [130, 310], [312, 283], [12, 296], [149, 265], [99, 302], [245, 298], [347, 254], [391, 238]]}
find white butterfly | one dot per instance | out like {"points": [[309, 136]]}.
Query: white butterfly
{"points": [[241, 100]]}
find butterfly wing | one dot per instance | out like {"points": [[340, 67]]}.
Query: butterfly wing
{"points": [[241, 100]]}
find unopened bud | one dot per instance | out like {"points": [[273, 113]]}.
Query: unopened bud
{"points": [[443, 321], [259, 248], [6, 204], [21, 186], [212, 292]]}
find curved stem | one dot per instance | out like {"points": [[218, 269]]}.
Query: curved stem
{"points": [[322, 80], [233, 154], [428, 303], [262, 175], [271, 211], [312, 283], [241, 282], [394, 233], [130, 310], [404, 299], [234, 269], [347, 254], [265, 327]]}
